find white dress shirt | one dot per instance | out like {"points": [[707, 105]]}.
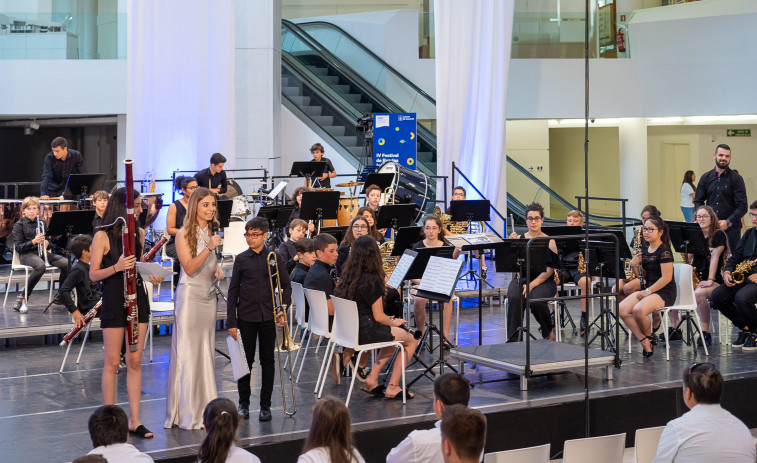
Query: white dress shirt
{"points": [[121, 453], [419, 446], [237, 455], [321, 455], [707, 433]]}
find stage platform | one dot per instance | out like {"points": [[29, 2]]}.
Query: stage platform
{"points": [[43, 413]]}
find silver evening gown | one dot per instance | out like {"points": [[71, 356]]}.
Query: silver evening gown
{"points": [[191, 374]]}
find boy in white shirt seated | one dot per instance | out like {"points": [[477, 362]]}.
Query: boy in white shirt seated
{"points": [[109, 431]]}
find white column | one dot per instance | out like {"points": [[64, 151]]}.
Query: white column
{"points": [[634, 185], [258, 85]]}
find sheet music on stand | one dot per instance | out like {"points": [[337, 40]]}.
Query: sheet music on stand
{"points": [[400, 270], [439, 278]]}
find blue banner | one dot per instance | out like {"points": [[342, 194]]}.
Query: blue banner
{"points": [[394, 139]]}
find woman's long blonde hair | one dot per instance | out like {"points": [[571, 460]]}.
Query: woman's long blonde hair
{"points": [[191, 226]]}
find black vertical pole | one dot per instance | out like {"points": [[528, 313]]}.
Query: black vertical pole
{"points": [[586, 213]]}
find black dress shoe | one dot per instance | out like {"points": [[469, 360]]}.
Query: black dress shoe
{"points": [[265, 414], [244, 411]]}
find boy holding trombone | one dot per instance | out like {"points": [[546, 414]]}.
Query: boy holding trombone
{"points": [[250, 312]]}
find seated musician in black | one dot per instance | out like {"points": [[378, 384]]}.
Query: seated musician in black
{"points": [[736, 300], [570, 273], [100, 203], [305, 260], [297, 203], [540, 284], [459, 194], [287, 250], [370, 216], [87, 292], [358, 227], [213, 178]]}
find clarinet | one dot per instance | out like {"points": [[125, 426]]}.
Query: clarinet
{"points": [[130, 275]]}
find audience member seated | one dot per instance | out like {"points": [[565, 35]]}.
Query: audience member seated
{"points": [[463, 434], [426, 445], [330, 437], [221, 421], [109, 431], [707, 432]]}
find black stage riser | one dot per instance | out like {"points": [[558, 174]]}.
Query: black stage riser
{"points": [[555, 424]]}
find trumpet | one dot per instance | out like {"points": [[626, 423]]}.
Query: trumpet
{"points": [[41, 248], [287, 343]]}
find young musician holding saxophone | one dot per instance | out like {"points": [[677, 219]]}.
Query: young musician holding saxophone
{"points": [[108, 264], [191, 372], [31, 247]]}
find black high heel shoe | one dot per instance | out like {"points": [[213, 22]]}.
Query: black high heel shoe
{"points": [[652, 342]]}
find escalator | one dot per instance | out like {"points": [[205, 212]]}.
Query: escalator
{"points": [[321, 87]]}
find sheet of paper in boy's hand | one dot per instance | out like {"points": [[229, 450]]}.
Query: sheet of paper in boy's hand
{"points": [[147, 269]]}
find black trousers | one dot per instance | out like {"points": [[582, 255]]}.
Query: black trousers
{"points": [[737, 304], [516, 307], [264, 335], [33, 260]]}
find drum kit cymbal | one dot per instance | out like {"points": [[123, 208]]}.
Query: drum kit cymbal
{"points": [[349, 184]]}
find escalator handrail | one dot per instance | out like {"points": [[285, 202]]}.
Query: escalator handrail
{"points": [[372, 54]]}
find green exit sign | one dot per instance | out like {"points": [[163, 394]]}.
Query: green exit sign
{"points": [[739, 132]]}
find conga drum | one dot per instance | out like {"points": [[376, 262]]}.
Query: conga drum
{"points": [[348, 207], [54, 205]]}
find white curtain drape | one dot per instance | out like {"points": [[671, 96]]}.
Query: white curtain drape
{"points": [[473, 40], [180, 98]]}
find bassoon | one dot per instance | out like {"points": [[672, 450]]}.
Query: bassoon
{"points": [[92, 313], [130, 275]]}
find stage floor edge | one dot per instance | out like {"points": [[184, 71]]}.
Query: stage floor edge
{"points": [[546, 357]]}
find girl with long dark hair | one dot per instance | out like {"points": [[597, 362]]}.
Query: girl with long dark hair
{"points": [[708, 268], [688, 190], [108, 264], [370, 215], [330, 437], [221, 421], [362, 281], [656, 259], [176, 213], [358, 227]]}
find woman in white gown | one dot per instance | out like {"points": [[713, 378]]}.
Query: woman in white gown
{"points": [[191, 374]]}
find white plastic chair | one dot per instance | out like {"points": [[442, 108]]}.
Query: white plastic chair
{"points": [[16, 266], [346, 334], [647, 440], [685, 302], [163, 308], [165, 258], [604, 449], [538, 454], [234, 242], [298, 296], [318, 323]]}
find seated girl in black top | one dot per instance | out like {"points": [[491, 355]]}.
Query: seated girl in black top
{"points": [[363, 282], [657, 262], [628, 287], [175, 219], [370, 216], [540, 285], [434, 237], [358, 227]]}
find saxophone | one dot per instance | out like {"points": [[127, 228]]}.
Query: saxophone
{"points": [[636, 250], [581, 263], [742, 271], [694, 276]]}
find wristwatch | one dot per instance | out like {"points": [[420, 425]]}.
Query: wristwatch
{"points": [[647, 290]]}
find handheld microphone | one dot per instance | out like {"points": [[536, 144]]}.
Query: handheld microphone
{"points": [[214, 231]]}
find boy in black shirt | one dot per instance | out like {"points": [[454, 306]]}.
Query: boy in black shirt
{"points": [[305, 260], [87, 293], [287, 249]]}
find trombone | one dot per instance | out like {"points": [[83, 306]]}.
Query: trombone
{"points": [[287, 343]]}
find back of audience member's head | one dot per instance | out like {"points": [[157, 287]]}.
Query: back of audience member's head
{"points": [[705, 383], [330, 428], [94, 458], [220, 420], [452, 388], [79, 244], [464, 429], [322, 241], [108, 425]]}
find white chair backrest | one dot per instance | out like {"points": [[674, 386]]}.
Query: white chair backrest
{"points": [[346, 325], [319, 312], [298, 294], [604, 449], [647, 440], [15, 262], [149, 288], [539, 454], [163, 255], [684, 288], [233, 239]]}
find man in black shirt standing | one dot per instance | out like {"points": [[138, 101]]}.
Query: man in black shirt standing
{"points": [[723, 190], [249, 313], [213, 178], [58, 165], [324, 181]]}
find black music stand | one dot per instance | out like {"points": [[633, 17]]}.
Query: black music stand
{"points": [[510, 256], [395, 216], [688, 238], [223, 212], [277, 217], [427, 261], [405, 238], [319, 206], [308, 169], [336, 232], [383, 181], [79, 186], [472, 210], [564, 247]]}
